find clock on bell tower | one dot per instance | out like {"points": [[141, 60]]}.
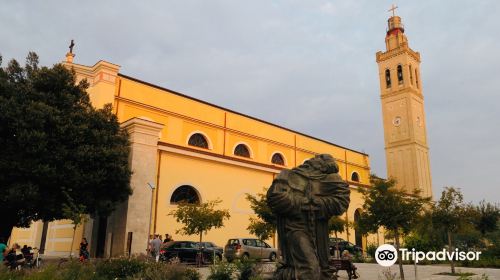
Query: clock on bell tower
{"points": [[406, 148]]}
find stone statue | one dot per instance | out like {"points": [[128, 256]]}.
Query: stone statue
{"points": [[304, 199]]}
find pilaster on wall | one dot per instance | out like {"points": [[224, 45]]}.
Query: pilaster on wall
{"points": [[134, 215], [101, 78]]}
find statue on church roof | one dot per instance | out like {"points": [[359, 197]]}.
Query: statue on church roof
{"points": [[304, 199]]}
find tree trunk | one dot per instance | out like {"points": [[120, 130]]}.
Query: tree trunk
{"points": [[450, 249], [400, 259], [72, 242], [337, 253], [200, 253], [6, 227]]}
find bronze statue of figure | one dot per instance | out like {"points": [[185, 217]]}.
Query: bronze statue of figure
{"points": [[304, 199]]}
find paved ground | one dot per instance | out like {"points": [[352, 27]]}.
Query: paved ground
{"points": [[424, 272]]}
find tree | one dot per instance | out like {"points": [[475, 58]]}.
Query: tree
{"points": [[484, 216], [264, 226], [337, 225], [449, 213], [56, 146], [396, 211], [199, 218], [76, 213]]}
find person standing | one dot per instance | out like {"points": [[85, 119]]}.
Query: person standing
{"points": [[168, 238], [3, 248], [155, 247]]}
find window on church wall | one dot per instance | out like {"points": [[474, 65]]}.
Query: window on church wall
{"points": [[242, 151], [416, 77], [185, 194], [355, 177], [411, 75], [278, 159], [400, 74], [198, 140], [387, 78]]}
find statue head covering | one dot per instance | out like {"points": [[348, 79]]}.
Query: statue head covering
{"points": [[318, 167]]}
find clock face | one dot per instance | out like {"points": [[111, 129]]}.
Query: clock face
{"points": [[396, 121]]}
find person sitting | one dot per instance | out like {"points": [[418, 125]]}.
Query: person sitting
{"points": [[84, 251], [348, 257], [12, 259]]}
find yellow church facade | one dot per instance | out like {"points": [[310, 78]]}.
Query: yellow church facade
{"points": [[189, 149], [183, 148]]}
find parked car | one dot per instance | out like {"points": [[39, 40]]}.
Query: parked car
{"points": [[249, 248], [344, 245], [211, 246], [190, 251]]}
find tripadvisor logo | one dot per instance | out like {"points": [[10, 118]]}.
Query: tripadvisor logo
{"points": [[387, 255]]}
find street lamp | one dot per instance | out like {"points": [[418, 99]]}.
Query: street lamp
{"points": [[150, 214]]}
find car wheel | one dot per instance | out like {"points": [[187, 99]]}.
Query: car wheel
{"points": [[272, 257]]}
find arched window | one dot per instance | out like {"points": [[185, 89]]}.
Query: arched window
{"points": [[411, 75], [355, 177], [416, 77], [387, 78], [186, 194], [198, 140], [400, 74], [278, 159], [242, 151]]}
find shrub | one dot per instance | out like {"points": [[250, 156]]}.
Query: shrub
{"points": [[370, 250], [221, 271], [119, 268], [162, 271]]}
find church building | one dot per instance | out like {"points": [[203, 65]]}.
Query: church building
{"points": [[185, 149]]}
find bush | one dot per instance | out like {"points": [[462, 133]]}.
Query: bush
{"points": [[370, 250], [119, 268], [130, 269], [162, 271], [221, 271]]}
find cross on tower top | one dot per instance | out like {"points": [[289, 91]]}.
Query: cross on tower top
{"points": [[393, 9]]}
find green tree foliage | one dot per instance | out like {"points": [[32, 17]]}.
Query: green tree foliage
{"points": [[199, 218], [385, 206], [449, 214], [484, 216], [337, 225], [55, 146], [264, 226]]}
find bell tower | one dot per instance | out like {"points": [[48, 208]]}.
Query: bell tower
{"points": [[405, 133]]}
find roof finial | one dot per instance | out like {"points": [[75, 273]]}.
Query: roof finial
{"points": [[393, 9], [70, 55], [71, 46]]}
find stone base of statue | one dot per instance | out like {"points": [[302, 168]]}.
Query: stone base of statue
{"points": [[304, 199]]}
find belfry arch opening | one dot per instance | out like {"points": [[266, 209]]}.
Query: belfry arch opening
{"points": [[387, 78], [400, 74]]}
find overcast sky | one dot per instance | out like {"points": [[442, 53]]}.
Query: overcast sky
{"points": [[307, 65]]}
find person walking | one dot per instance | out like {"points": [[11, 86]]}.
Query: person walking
{"points": [[155, 247]]}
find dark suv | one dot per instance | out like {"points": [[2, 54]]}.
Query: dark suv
{"points": [[190, 252]]}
